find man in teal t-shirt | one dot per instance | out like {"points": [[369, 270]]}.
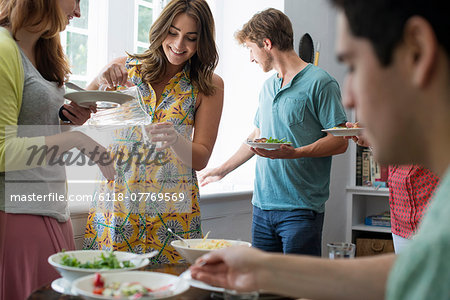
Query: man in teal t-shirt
{"points": [[295, 104]]}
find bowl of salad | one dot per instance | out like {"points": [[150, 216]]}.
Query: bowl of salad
{"points": [[74, 264], [130, 285], [199, 247]]}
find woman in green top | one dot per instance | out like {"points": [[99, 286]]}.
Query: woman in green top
{"points": [[33, 69]]}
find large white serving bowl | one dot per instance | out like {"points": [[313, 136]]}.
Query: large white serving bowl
{"points": [[72, 273], [191, 254], [84, 286]]}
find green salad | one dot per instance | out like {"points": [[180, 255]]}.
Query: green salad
{"points": [[277, 141], [105, 262]]}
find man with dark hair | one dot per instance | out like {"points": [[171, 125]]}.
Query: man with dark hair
{"points": [[400, 87], [296, 103]]}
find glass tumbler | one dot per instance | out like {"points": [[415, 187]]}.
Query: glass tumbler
{"points": [[341, 250]]}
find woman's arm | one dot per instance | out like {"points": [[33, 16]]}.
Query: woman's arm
{"points": [[207, 118], [112, 75]]}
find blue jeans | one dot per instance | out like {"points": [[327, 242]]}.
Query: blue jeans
{"points": [[296, 231]]}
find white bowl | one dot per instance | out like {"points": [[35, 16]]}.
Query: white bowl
{"points": [[84, 286], [72, 273], [191, 254]]}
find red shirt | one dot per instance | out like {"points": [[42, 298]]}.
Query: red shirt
{"points": [[410, 191]]}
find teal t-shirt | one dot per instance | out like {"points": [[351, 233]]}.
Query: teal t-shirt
{"points": [[422, 270], [297, 112]]}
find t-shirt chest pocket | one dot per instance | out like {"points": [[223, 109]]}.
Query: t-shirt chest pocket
{"points": [[291, 111]]}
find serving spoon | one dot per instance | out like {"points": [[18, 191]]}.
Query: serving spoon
{"points": [[178, 237], [140, 257], [73, 86]]}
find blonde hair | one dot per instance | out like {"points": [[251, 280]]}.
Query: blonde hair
{"points": [[40, 15], [204, 61], [269, 24]]}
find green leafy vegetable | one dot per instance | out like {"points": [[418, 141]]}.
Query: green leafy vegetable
{"points": [[105, 262], [277, 141]]}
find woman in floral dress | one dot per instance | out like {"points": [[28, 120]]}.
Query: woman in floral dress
{"points": [[183, 99]]}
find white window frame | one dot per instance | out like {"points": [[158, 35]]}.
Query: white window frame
{"points": [[156, 7], [97, 25]]}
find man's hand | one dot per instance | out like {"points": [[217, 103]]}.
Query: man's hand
{"points": [[285, 152], [233, 268], [360, 139], [208, 176]]}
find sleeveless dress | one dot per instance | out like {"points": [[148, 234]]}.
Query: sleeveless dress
{"points": [[151, 194]]}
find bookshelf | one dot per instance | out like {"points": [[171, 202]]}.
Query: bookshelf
{"points": [[363, 201]]}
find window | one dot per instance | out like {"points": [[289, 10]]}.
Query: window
{"points": [[91, 41], [146, 11], [75, 42]]}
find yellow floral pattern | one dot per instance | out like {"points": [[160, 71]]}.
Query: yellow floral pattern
{"points": [[128, 224]]}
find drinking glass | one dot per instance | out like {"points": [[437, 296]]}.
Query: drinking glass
{"points": [[341, 250]]}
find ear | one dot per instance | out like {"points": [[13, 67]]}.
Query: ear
{"points": [[421, 41], [267, 44]]}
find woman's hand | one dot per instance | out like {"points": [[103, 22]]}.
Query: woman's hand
{"points": [[99, 155], [76, 114], [111, 76], [165, 133]]}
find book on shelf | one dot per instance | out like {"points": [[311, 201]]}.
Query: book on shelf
{"points": [[383, 220], [368, 171], [359, 150]]}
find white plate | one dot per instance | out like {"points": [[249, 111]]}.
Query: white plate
{"points": [[199, 284], [63, 286], [344, 131], [103, 99], [267, 146], [84, 286]]}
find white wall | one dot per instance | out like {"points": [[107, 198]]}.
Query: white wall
{"points": [[243, 81], [318, 19]]}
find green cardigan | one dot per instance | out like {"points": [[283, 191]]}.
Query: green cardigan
{"points": [[11, 92]]}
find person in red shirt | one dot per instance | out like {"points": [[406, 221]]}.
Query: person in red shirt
{"points": [[411, 188]]}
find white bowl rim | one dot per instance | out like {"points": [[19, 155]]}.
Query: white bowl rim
{"points": [[179, 244], [150, 273], [51, 261]]}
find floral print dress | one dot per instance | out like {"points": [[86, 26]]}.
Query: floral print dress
{"points": [[132, 213]]}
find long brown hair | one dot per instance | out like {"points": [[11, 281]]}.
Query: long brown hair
{"points": [[39, 15], [204, 61]]}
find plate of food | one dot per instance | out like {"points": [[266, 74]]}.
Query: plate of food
{"points": [[103, 99], [268, 143], [199, 247], [130, 285], [344, 131]]}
